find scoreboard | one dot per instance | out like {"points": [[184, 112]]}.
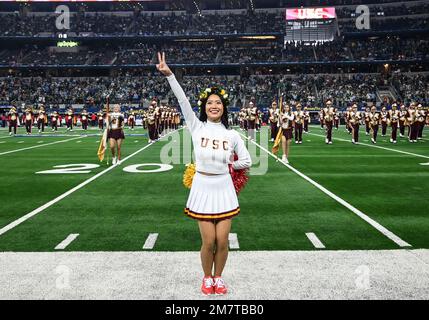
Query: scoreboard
{"points": [[310, 14]]}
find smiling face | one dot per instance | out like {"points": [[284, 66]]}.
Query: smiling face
{"points": [[214, 108], [116, 108]]}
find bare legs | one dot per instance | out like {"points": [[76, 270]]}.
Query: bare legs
{"points": [[214, 249], [285, 146], [115, 144]]}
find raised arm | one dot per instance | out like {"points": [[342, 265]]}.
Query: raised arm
{"points": [[191, 119]]}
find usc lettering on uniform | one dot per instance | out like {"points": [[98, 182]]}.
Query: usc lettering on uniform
{"points": [[215, 144]]}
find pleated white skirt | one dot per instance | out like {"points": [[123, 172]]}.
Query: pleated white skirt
{"points": [[212, 198]]}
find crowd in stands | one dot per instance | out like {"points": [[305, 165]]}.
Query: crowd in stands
{"points": [[13, 24], [312, 89], [392, 48]]}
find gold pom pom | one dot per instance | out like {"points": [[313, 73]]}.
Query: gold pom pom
{"points": [[188, 175]]}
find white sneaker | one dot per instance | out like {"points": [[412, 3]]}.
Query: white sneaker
{"points": [[330, 142], [300, 142], [40, 131], [114, 161], [372, 140], [391, 140], [394, 142], [10, 133], [272, 140], [326, 140], [296, 142], [284, 159], [353, 141]]}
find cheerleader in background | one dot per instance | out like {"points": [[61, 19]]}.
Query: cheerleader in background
{"points": [[54, 121], [69, 119], [286, 120], [84, 119], [115, 134]]}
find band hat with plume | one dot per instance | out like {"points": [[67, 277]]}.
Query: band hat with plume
{"points": [[203, 97]]}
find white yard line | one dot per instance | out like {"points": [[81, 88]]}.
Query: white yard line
{"points": [[233, 241], [67, 241], [315, 240], [37, 146], [356, 211], [150, 241], [375, 146], [64, 195]]}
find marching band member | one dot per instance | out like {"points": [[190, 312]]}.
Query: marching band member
{"points": [[273, 118], [393, 119], [28, 119], [384, 114], [131, 119], [41, 119], [412, 123], [321, 118], [307, 119], [402, 120], [336, 118], [84, 119], [328, 118], [13, 120], [286, 120], [252, 115], [100, 117], [355, 118], [421, 119], [69, 119], [212, 199], [151, 124], [115, 133], [299, 119], [367, 117], [374, 122], [347, 118], [54, 121], [177, 119], [144, 119]]}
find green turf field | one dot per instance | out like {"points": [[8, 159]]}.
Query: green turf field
{"points": [[117, 210]]}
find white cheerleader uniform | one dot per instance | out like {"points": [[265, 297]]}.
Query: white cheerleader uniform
{"points": [[212, 197]]}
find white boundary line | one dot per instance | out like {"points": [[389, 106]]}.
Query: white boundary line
{"points": [[150, 241], [375, 146], [65, 194], [38, 146], [359, 213], [233, 241], [315, 240], [67, 241]]}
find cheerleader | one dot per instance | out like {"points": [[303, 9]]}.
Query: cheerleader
{"points": [[412, 123], [286, 120], [151, 124], [13, 119], [115, 134], [212, 199]]}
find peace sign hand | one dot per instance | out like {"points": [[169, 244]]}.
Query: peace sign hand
{"points": [[162, 66]]}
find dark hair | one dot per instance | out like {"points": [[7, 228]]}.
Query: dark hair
{"points": [[224, 97], [224, 118]]}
